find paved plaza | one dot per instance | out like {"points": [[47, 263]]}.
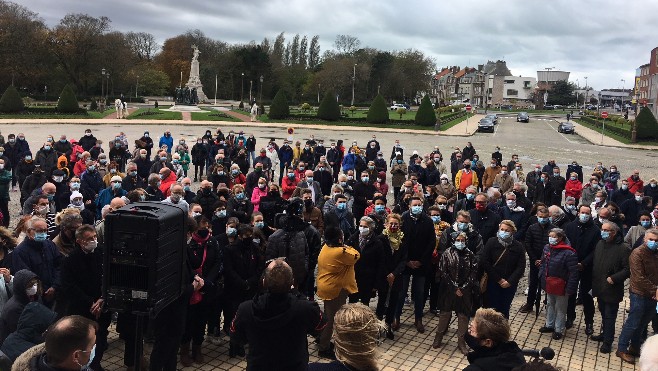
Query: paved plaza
{"points": [[534, 142]]}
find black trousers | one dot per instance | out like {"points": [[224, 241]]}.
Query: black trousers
{"points": [[198, 171], [168, 330], [387, 302], [4, 208], [533, 283], [585, 296], [195, 324]]}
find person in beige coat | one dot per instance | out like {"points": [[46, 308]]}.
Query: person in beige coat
{"points": [[490, 175], [447, 190], [504, 181]]}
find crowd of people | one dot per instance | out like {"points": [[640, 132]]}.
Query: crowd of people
{"points": [[273, 228]]}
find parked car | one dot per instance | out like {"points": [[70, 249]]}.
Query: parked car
{"points": [[493, 117], [486, 124], [522, 117], [395, 106], [566, 127], [548, 107]]}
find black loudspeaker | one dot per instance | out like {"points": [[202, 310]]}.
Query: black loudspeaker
{"points": [[144, 257]]}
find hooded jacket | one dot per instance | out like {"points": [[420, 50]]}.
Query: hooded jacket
{"points": [[291, 242], [14, 307], [276, 327], [501, 357], [34, 320]]}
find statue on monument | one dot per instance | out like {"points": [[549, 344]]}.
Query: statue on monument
{"points": [[192, 93]]}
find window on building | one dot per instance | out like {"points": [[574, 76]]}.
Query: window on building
{"points": [[512, 92], [509, 81], [526, 84]]}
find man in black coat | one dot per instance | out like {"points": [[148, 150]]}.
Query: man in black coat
{"points": [[276, 323], [622, 194], [632, 209], [364, 191], [558, 183], [536, 237], [80, 293], [583, 235], [484, 220], [419, 240], [88, 141]]}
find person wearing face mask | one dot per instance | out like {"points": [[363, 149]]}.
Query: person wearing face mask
{"points": [[504, 180], [516, 213], [399, 173], [635, 234], [583, 235], [643, 263], [323, 176], [420, 241], [311, 213], [531, 180], [306, 156], [557, 184], [536, 237], [22, 170], [447, 190], [489, 337], [26, 288], [349, 161], [285, 155], [634, 182], [112, 170], [48, 190], [369, 270], [88, 140], [467, 202], [168, 140], [238, 205], [458, 270], [152, 190], [339, 215], [465, 178], [651, 190], [632, 208], [118, 154], [258, 192], [483, 219], [132, 180], [167, 179], [199, 155], [46, 157], [573, 187], [611, 179], [558, 273], [543, 190], [176, 197], [69, 221], [14, 154], [40, 255], [241, 274], [622, 194], [364, 191], [503, 261], [309, 182], [490, 174], [102, 165], [5, 184], [81, 282], [108, 194]]}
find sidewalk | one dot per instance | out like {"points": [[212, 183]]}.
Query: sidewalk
{"points": [[594, 137], [464, 128]]}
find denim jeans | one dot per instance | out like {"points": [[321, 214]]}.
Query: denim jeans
{"points": [[417, 292], [641, 313], [556, 312], [608, 319]]}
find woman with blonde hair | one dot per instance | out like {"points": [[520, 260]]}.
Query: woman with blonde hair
{"points": [[356, 336]]}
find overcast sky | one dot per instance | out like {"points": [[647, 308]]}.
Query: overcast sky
{"points": [[605, 40]]}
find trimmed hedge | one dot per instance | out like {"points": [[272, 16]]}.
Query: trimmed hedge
{"points": [[67, 102], [329, 109], [647, 126], [279, 108], [626, 133], [378, 112], [11, 101], [425, 115]]}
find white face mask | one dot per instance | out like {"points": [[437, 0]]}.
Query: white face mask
{"points": [[91, 246], [30, 291], [364, 231]]}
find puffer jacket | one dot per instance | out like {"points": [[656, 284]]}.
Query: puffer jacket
{"points": [[14, 307], [34, 320], [536, 237], [560, 261], [290, 241]]}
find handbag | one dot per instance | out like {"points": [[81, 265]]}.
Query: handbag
{"points": [[554, 285], [197, 295], [485, 277]]}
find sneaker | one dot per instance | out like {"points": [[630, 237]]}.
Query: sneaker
{"points": [[557, 336], [526, 308], [605, 348], [546, 330]]}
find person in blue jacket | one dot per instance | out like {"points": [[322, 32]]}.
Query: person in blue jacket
{"points": [[166, 139]]}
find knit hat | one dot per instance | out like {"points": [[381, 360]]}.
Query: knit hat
{"points": [[74, 195], [115, 178]]}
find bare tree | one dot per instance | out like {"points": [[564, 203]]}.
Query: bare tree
{"points": [[142, 44], [346, 44]]}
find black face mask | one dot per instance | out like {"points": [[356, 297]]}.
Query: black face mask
{"points": [[273, 193], [308, 204], [203, 233], [206, 191], [467, 166], [247, 241], [472, 342]]}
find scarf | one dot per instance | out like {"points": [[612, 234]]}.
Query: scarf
{"points": [[394, 238]]}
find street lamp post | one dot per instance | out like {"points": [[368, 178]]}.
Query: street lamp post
{"points": [[318, 93], [102, 83], [586, 91], [261, 90], [136, 86], [353, 80], [623, 85], [251, 86], [242, 89]]}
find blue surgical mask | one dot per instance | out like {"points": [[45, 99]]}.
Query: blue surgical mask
{"points": [[220, 213], [552, 241], [416, 210], [259, 225], [187, 188], [50, 197], [240, 196], [470, 196], [230, 231], [163, 159], [436, 219], [646, 223], [75, 185], [459, 245], [291, 175], [341, 206], [583, 218], [400, 161], [116, 185], [380, 208], [365, 179], [40, 236], [92, 354], [309, 179], [503, 235], [543, 220], [235, 172], [605, 235], [462, 226], [652, 245]]}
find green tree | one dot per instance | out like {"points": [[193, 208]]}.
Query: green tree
{"points": [[11, 101], [562, 93], [401, 111], [425, 115], [647, 126], [329, 109], [67, 102], [279, 108], [378, 113]]}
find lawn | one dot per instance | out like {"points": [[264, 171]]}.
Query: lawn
{"points": [[614, 135], [154, 114], [212, 116]]}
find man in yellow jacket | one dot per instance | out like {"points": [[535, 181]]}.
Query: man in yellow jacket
{"points": [[336, 280]]}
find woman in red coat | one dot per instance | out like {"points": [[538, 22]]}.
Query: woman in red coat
{"points": [[574, 187]]}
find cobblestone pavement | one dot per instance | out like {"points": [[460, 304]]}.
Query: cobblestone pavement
{"points": [[536, 142]]}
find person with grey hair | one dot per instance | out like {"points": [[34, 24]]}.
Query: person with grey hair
{"points": [[558, 272], [649, 354], [369, 270], [511, 210], [176, 197], [570, 208], [557, 216], [467, 202], [153, 192], [610, 270]]}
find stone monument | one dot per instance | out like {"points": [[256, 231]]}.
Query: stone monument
{"points": [[194, 83]]}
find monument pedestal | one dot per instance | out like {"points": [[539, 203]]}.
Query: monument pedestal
{"points": [[194, 81]]}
